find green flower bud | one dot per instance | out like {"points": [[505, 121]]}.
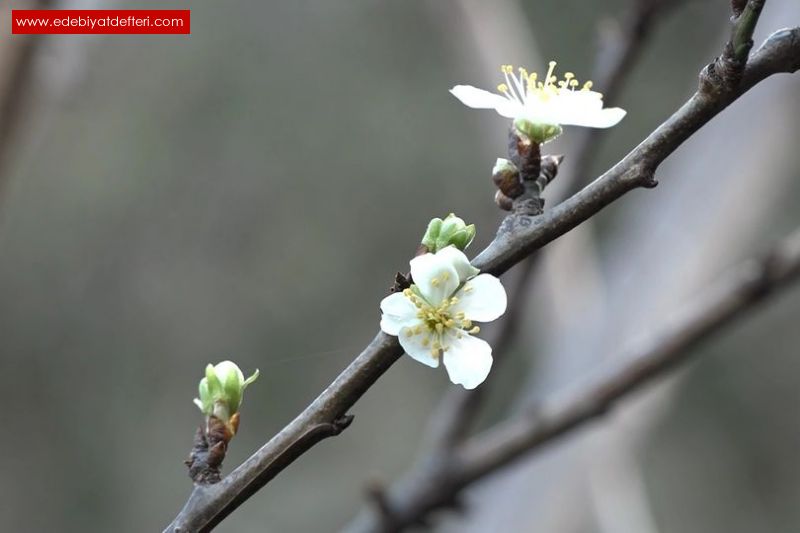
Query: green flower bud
{"points": [[432, 234], [221, 390], [450, 231], [204, 402], [536, 132]]}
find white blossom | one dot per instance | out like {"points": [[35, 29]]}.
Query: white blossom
{"points": [[433, 319], [549, 102]]}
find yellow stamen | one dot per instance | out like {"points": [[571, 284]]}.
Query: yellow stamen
{"points": [[436, 322], [550, 78]]}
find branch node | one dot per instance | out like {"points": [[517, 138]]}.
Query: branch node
{"points": [[527, 205], [535, 173], [340, 424], [208, 452], [649, 182], [725, 73], [641, 175]]}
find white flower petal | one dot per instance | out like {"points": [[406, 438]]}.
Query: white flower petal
{"points": [[583, 100], [435, 277], [413, 345], [468, 360], [481, 299], [398, 312], [584, 108], [479, 99], [459, 261], [603, 118]]}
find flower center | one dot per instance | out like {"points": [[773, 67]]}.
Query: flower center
{"points": [[523, 86], [435, 321]]}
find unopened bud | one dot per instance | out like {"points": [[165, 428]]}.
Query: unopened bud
{"points": [[505, 176], [221, 392], [549, 170], [450, 231], [503, 202]]}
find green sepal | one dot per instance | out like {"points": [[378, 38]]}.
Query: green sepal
{"points": [[537, 132]]}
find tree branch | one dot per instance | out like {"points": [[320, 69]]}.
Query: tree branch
{"points": [[655, 354], [454, 416], [749, 285], [619, 48], [519, 235]]}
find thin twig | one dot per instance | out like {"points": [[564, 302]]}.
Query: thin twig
{"points": [[519, 236], [619, 49], [648, 359]]}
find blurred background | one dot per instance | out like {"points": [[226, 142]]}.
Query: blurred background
{"points": [[248, 192]]}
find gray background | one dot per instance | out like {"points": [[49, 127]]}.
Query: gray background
{"points": [[248, 191]]}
